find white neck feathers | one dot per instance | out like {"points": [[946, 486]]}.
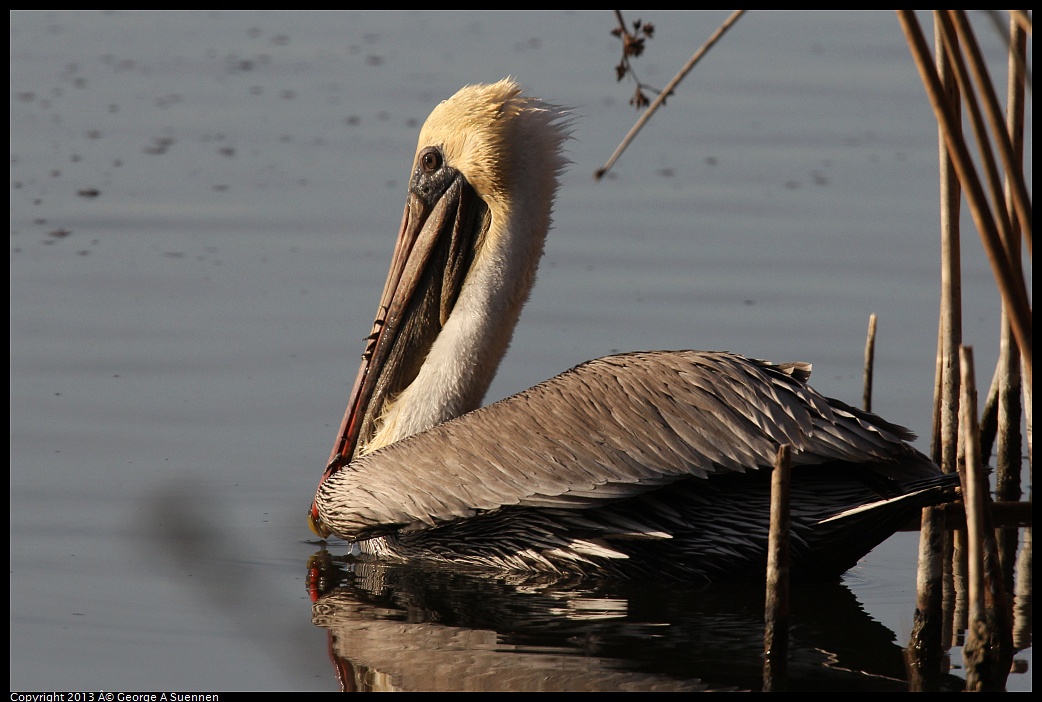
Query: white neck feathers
{"points": [[509, 149]]}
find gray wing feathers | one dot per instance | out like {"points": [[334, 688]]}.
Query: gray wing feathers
{"points": [[608, 429]]}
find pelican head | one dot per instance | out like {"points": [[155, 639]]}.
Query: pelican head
{"points": [[476, 216]]}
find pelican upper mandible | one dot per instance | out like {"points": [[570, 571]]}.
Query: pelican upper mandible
{"points": [[645, 463]]}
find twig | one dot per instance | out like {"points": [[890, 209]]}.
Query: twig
{"points": [[633, 45], [667, 91]]}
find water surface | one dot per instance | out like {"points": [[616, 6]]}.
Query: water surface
{"points": [[203, 207]]}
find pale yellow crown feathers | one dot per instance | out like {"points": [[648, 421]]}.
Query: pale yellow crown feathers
{"points": [[497, 137]]}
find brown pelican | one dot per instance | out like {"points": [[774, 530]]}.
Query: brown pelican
{"points": [[654, 462]]}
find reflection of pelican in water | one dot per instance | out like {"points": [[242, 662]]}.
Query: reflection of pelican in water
{"points": [[645, 462], [500, 631]]}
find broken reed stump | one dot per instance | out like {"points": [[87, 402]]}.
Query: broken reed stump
{"points": [[870, 357], [776, 609], [988, 652], [925, 652]]}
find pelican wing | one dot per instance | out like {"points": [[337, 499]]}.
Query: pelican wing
{"points": [[606, 430]]}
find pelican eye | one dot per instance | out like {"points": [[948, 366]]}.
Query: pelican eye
{"points": [[432, 175], [430, 160]]}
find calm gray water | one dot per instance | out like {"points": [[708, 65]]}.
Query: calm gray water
{"points": [[203, 206]]}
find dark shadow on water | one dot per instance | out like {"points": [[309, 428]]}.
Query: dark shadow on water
{"points": [[409, 627]]}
